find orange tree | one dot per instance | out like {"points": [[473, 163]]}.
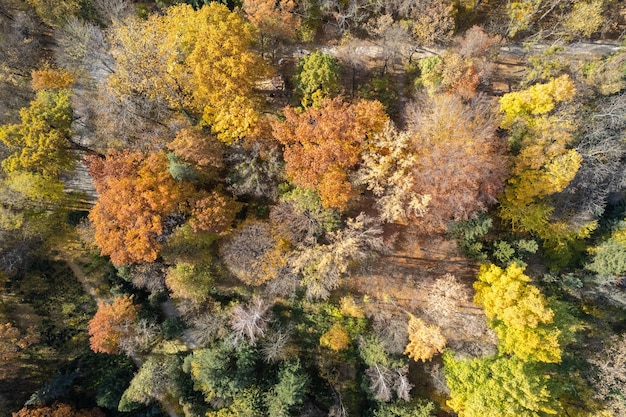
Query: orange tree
{"points": [[324, 143], [135, 195], [111, 323]]}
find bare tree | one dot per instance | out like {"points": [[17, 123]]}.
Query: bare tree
{"points": [[250, 322], [82, 45], [381, 382], [610, 378], [113, 10], [603, 170], [275, 344]]}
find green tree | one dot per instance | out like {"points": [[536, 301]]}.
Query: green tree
{"points": [[290, 390], [609, 257], [500, 386], [221, 372], [155, 380], [317, 77]]}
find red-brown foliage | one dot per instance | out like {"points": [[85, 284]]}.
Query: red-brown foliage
{"points": [[460, 160], [322, 144]]}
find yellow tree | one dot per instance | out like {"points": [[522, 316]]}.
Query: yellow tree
{"points": [[199, 61], [425, 341], [518, 313], [543, 165]]}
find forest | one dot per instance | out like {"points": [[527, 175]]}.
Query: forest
{"points": [[311, 208]]}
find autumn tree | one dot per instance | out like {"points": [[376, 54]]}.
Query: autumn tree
{"points": [[253, 254], [336, 338], [519, 314], [136, 194], [12, 343], [452, 166], [111, 323], [41, 142], [276, 21], [203, 152], [425, 341], [323, 145], [58, 410], [189, 64], [543, 164]]}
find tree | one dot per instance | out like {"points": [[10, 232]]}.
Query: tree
{"points": [[323, 144], [317, 77], [40, 143], [336, 338], [249, 322], [202, 151], [112, 323], [321, 268], [190, 281], [221, 372], [275, 20], [190, 65], [58, 410], [459, 161], [500, 386], [608, 378], [400, 409], [53, 14], [519, 314], [543, 165], [602, 169], [289, 391], [136, 195], [300, 218], [12, 343], [253, 254], [425, 340], [387, 376], [609, 257], [155, 380]]}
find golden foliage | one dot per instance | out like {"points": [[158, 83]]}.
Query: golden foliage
{"points": [[425, 341], [49, 78], [518, 312], [199, 61], [336, 338]]}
